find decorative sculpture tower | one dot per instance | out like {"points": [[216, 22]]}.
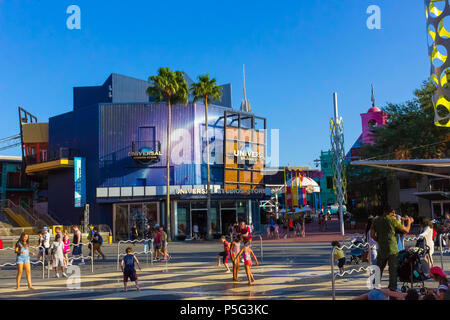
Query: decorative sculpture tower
{"points": [[438, 14], [337, 148]]}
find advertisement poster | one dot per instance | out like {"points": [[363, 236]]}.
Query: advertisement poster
{"points": [[80, 181]]}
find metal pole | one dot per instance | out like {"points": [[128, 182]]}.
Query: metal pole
{"points": [[151, 262], [92, 257], [262, 253], [338, 165], [118, 252], [332, 274], [43, 263], [440, 249]]}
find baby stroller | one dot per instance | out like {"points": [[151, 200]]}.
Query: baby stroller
{"points": [[412, 267], [357, 253]]}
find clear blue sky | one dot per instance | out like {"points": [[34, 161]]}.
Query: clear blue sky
{"points": [[296, 53]]}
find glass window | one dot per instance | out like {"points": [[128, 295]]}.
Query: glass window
{"points": [[182, 221], [198, 204], [214, 220], [121, 222], [228, 204]]}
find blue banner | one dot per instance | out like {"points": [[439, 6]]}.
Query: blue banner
{"points": [[80, 181]]}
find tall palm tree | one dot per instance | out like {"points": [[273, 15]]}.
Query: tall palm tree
{"points": [[207, 90], [170, 87]]}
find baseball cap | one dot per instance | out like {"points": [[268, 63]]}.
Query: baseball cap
{"points": [[438, 271], [156, 225], [376, 295], [45, 228]]}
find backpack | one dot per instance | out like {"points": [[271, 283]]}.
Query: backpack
{"points": [[100, 239]]}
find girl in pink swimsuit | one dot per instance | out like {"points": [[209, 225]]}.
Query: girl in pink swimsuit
{"points": [[234, 252], [66, 247], [248, 254]]}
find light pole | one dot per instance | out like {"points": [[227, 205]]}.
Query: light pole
{"points": [[337, 147]]}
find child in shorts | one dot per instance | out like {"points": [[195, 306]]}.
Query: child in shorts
{"points": [[339, 255], [129, 272], [248, 254], [58, 255], [225, 254]]}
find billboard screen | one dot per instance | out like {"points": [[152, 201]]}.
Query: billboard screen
{"points": [[80, 181]]}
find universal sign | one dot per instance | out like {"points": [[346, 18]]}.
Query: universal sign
{"points": [[248, 155], [145, 156], [221, 191]]}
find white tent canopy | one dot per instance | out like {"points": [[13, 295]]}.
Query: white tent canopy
{"points": [[305, 182]]}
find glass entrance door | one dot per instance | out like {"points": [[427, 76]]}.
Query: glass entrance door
{"points": [[128, 214], [199, 220], [227, 218]]}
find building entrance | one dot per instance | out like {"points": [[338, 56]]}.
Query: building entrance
{"points": [[128, 214], [199, 221], [228, 218]]}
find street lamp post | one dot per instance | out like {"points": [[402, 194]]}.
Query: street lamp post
{"points": [[337, 147]]}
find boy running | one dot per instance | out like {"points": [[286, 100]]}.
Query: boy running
{"points": [[225, 254], [129, 272]]}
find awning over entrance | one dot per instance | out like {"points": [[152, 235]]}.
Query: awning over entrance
{"points": [[44, 167], [433, 195], [393, 165]]}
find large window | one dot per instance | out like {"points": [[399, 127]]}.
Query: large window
{"points": [[244, 158]]}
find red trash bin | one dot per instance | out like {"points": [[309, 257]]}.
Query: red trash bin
{"points": [[1, 244]]}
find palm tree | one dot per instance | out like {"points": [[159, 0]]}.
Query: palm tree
{"points": [[170, 87], [207, 90]]}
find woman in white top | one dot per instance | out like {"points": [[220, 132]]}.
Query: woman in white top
{"points": [[427, 234], [372, 243]]}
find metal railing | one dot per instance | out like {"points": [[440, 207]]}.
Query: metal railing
{"points": [[261, 250], [148, 242], [441, 249], [31, 262], [347, 272]]}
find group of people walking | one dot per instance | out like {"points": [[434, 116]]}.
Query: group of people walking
{"points": [[159, 237]]}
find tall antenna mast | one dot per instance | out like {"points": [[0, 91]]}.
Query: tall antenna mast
{"points": [[373, 97], [243, 71], [245, 104]]}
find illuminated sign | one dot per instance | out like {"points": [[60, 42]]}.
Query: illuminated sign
{"points": [[222, 191], [145, 155], [247, 156], [80, 181]]}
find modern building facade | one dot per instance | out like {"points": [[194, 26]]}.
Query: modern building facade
{"points": [[12, 186], [121, 135], [328, 196]]}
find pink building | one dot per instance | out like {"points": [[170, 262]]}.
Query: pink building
{"points": [[374, 118]]}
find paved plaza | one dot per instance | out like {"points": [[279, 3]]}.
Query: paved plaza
{"points": [[289, 270]]}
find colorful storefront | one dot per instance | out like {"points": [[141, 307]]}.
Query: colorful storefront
{"points": [[122, 137]]}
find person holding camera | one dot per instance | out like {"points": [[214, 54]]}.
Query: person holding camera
{"points": [[383, 231]]}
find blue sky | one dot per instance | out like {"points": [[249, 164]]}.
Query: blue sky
{"points": [[296, 54]]}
